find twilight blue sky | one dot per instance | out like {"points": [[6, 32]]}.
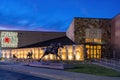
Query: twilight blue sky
{"points": [[52, 15]]}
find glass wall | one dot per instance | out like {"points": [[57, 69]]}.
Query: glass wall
{"points": [[79, 52], [68, 52]]}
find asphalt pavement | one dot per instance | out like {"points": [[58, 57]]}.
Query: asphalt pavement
{"points": [[50, 74], [10, 75]]}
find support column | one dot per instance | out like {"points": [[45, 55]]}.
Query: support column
{"points": [[24, 53], [5, 54], [93, 52], [61, 52], [38, 53], [74, 52], [10, 56], [97, 52], [34, 53], [85, 52], [67, 52], [0, 53], [20, 53], [90, 52]]}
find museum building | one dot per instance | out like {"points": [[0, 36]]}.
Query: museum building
{"points": [[86, 38]]}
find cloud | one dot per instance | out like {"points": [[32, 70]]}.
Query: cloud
{"points": [[50, 15], [23, 22], [8, 27], [58, 25]]}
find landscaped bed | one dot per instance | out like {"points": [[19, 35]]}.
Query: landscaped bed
{"points": [[94, 69]]}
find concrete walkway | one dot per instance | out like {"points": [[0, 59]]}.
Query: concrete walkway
{"points": [[10, 75], [53, 74]]}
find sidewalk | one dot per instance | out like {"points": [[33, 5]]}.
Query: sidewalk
{"points": [[108, 63], [53, 74]]}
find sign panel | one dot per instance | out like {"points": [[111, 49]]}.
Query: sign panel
{"points": [[9, 39], [93, 33]]}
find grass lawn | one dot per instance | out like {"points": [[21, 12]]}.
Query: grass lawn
{"points": [[94, 69]]}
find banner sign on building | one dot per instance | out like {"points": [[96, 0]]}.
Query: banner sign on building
{"points": [[93, 33], [9, 39]]}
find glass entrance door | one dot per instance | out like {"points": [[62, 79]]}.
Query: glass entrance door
{"points": [[93, 51]]}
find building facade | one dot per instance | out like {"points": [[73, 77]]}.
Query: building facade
{"points": [[86, 38], [115, 37]]}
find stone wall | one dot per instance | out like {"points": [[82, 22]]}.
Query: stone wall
{"points": [[82, 23]]}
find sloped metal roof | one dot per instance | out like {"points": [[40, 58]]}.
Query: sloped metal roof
{"points": [[63, 40]]}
